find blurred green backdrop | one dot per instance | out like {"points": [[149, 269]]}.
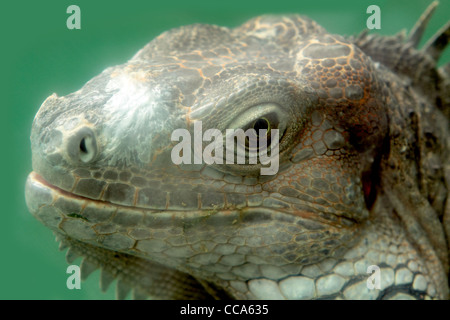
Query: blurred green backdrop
{"points": [[39, 56]]}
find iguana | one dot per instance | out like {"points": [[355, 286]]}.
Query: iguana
{"points": [[362, 184]]}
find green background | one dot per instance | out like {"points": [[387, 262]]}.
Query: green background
{"points": [[39, 56]]}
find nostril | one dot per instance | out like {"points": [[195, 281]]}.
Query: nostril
{"points": [[82, 146], [88, 148]]}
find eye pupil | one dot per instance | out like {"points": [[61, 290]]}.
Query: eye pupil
{"points": [[261, 124]]}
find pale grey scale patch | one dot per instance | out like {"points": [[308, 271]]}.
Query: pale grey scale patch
{"points": [[191, 167], [275, 203], [360, 291], [240, 286], [152, 198], [319, 148], [209, 172], [327, 265], [212, 200], [250, 181], [241, 188], [176, 241], [420, 283], [253, 240], [283, 65], [246, 271], [336, 93], [204, 259], [51, 142], [140, 233], [233, 260], [160, 224], [125, 176], [272, 272], [90, 188], [224, 249], [229, 188], [265, 289], [183, 199], [78, 229], [254, 189], [298, 288], [119, 193], [140, 182], [320, 51], [117, 241], [254, 259], [61, 179], [254, 200], [227, 276], [110, 175], [98, 213], [388, 278], [329, 284], [82, 173], [403, 276], [54, 158], [105, 228], [326, 125], [128, 217], [344, 268], [310, 225], [97, 174], [179, 252], [362, 265], [219, 220], [240, 242], [333, 139], [331, 83], [331, 197], [37, 192], [236, 200], [354, 92], [289, 192], [320, 184], [50, 216], [152, 246], [317, 135], [70, 207]]}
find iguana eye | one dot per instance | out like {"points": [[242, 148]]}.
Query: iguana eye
{"points": [[262, 128], [262, 124], [253, 130]]}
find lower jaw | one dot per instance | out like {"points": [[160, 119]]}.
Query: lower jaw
{"points": [[190, 240]]}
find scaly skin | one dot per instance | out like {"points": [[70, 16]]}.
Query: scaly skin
{"points": [[363, 177]]}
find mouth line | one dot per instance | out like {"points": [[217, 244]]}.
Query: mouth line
{"points": [[36, 178], [57, 191]]}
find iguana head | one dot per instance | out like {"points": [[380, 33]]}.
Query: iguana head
{"points": [[104, 170]]}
